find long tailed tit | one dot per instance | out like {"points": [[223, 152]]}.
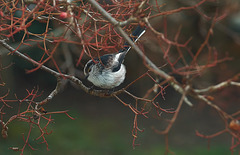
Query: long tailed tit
{"points": [[108, 71]]}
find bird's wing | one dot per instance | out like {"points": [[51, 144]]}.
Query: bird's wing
{"points": [[109, 61]]}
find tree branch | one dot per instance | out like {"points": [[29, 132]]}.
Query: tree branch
{"points": [[100, 93], [150, 64], [219, 86]]}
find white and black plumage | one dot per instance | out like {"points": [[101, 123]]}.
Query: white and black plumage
{"points": [[109, 72]]}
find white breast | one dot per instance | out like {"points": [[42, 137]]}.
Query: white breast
{"points": [[108, 79]]}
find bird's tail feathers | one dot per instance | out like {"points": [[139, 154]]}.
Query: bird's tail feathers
{"points": [[136, 34]]}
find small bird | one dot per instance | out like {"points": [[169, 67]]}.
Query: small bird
{"points": [[109, 72]]}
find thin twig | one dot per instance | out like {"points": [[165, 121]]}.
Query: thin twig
{"points": [[220, 86]]}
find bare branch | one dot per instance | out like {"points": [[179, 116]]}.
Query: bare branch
{"points": [[100, 93], [220, 86], [150, 64]]}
